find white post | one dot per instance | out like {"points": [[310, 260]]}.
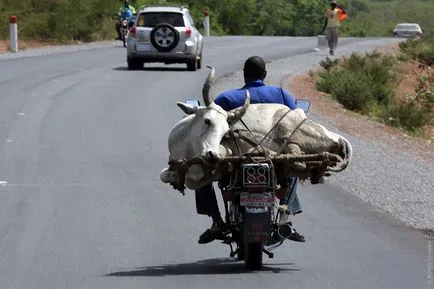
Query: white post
{"points": [[321, 40], [206, 22], [13, 34]]}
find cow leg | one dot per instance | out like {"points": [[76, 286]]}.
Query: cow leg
{"points": [[295, 150]]}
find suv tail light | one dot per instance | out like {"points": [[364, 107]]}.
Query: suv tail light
{"points": [[133, 31], [418, 33], [188, 32]]}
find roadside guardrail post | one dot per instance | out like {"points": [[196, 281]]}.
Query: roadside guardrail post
{"points": [[206, 22], [13, 34]]}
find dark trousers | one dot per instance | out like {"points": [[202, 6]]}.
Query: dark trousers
{"points": [[206, 201]]}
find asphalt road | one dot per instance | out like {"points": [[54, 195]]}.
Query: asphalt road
{"points": [[82, 142]]}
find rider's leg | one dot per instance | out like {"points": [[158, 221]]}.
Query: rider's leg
{"points": [[118, 30], [293, 203], [206, 204], [291, 197]]}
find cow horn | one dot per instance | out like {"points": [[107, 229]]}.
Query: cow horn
{"points": [[207, 86], [235, 114]]}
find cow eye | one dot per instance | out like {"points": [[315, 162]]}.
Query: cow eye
{"points": [[207, 121]]}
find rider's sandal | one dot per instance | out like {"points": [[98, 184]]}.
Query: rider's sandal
{"points": [[295, 236]]}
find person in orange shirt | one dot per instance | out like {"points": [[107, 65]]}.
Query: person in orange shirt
{"points": [[333, 16]]}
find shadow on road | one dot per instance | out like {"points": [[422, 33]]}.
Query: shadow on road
{"points": [[154, 68], [219, 266]]}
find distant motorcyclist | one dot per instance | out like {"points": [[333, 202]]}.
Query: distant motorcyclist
{"points": [[127, 12]]}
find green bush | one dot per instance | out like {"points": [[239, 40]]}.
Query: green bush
{"points": [[407, 115], [328, 63], [352, 89], [366, 84], [359, 81], [426, 55]]}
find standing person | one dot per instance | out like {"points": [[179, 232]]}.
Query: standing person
{"points": [[333, 17]]}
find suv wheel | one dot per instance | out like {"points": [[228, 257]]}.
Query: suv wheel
{"points": [[199, 62], [164, 37], [192, 65]]}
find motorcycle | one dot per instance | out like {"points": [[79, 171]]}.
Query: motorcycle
{"points": [[125, 25], [251, 190]]}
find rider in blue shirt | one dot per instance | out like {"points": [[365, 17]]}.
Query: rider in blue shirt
{"points": [[259, 93], [127, 12], [254, 75]]}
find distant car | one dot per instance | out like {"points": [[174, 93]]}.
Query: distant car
{"points": [[407, 30], [164, 34]]}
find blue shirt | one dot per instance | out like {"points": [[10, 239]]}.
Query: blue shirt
{"points": [[127, 14], [259, 93]]}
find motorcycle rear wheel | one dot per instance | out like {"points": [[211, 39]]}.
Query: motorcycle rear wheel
{"points": [[253, 256]]}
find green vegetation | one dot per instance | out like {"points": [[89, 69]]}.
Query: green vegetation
{"points": [[379, 17], [368, 84], [88, 20]]}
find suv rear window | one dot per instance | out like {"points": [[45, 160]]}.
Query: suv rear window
{"points": [[152, 19], [407, 27]]}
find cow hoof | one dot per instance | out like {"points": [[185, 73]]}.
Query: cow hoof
{"points": [[167, 176]]}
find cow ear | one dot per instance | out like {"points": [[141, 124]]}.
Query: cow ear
{"points": [[187, 108]]}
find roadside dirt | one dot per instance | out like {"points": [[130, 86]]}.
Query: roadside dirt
{"points": [[303, 86], [25, 44]]}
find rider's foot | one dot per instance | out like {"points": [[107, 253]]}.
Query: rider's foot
{"points": [[215, 232], [296, 236]]}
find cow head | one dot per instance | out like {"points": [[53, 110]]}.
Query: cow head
{"points": [[202, 130]]}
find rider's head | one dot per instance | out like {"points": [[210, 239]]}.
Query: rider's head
{"points": [[126, 3], [254, 69]]}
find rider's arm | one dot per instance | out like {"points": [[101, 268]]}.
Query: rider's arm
{"points": [[325, 24], [288, 99], [223, 102]]}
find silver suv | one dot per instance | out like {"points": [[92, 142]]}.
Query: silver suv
{"points": [[164, 34]]}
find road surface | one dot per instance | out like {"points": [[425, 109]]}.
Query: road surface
{"points": [[82, 142]]}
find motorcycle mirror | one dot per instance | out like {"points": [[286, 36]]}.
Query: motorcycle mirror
{"points": [[193, 102], [303, 104]]}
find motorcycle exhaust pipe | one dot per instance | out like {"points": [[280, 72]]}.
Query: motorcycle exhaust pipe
{"points": [[284, 231]]}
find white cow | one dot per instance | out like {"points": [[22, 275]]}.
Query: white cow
{"points": [[204, 130]]}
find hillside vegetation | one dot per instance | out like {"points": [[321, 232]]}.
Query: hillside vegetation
{"points": [[395, 88], [87, 20]]}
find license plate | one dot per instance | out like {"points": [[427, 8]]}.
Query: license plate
{"points": [[143, 47], [256, 200]]}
